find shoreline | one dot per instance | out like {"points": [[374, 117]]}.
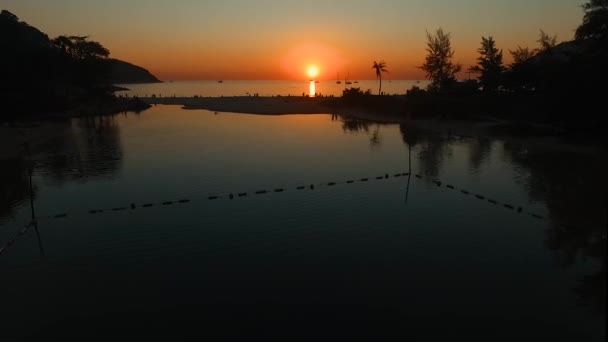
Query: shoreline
{"points": [[263, 105], [40, 131]]}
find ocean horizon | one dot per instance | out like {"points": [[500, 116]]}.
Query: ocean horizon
{"points": [[264, 87]]}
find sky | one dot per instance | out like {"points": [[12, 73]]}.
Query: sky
{"points": [[280, 39]]}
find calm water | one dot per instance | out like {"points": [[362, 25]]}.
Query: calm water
{"points": [[392, 257], [264, 88]]}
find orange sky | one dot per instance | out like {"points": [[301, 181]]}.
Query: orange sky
{"points": [[267, 39]]}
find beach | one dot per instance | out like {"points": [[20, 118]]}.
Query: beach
{"points": [[278, 105]]}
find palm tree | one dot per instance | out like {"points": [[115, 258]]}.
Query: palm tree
{"points": [[380, 68]]}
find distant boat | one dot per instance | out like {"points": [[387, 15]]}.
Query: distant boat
{"points": [[316, 81], [338, 79], [220, 81], [356, 81], [346, 81]]}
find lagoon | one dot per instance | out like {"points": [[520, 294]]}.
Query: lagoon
{"points": [[438, 253]]}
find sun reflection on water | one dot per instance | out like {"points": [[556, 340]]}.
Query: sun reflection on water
{"points": [[313, 90]]}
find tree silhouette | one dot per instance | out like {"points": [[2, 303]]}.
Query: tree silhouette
{"points": [[380, 68], [80, 48], [521, 55], [546, 42], [489, 64], [438, 62], [595, 21]]}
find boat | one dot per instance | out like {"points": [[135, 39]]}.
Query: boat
{"points": [[346, 81], [338, 79], [220, 81]]}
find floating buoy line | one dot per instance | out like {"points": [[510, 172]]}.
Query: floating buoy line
{"points": [[308, 187]]}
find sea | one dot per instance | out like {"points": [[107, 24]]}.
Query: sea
{"points": [[266, 88], [173, 224]]}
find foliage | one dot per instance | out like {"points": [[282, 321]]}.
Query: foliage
{"points": [[489, 65], [438, 63], [380, 68], [521, 55], [545, 41], [350, 94], [595, 21]]}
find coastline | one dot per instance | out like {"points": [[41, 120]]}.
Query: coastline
{"points": [[279, 105], [38, 132]]}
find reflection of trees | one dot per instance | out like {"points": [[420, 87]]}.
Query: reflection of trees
{"points": [[431, 154], [351, 125], [479, 151], [410, 137], [14, 186], [574, 190], [90, 148]]}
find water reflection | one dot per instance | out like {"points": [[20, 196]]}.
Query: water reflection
{"points": [[80, 150], [573, 188], [89, 149], [312, 89], [14, 186]]}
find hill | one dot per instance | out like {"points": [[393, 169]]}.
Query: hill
{"points": [[122, 72]]}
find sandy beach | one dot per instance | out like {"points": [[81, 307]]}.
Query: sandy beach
{"points": [[249, 104]]}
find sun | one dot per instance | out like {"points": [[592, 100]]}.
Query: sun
{"points": [[312, 71]]}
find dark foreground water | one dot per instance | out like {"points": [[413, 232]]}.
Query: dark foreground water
{"points": [[390, 257]]}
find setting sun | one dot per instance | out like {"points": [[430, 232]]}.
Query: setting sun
{"points": [[312, 71]]}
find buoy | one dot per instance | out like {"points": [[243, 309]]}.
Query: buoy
{"points": [[231, 196], [312, 186], [148, 205], [260, 192], [184, 201], [132, 206], [380, 177], [364, 179], [350, 181], [519, 209], [242, 194], [279, 190], [331, 184], [386, 176]]}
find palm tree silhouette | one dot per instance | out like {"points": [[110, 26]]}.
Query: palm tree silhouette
{"points": [[380, 68]]}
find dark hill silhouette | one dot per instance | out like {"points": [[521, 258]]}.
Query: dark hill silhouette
{"points": [[124, 72], [67, 74]]}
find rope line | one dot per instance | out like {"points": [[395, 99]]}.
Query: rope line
{"points": [[236, 195], [261, 192]]}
